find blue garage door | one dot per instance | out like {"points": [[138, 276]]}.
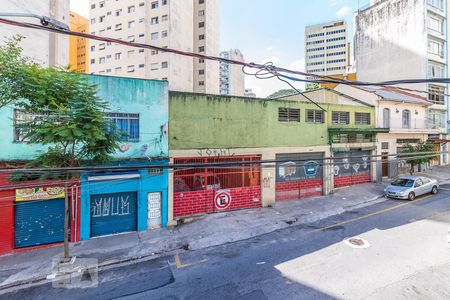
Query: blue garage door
{"points": [[113, 213], [39, 222]]}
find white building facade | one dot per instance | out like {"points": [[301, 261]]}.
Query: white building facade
{"points": [[232, 78], [188, 25], [406, 39], [47, 49], [326, 48]]}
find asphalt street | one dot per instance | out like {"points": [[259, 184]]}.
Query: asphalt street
{"points": [[405, 254]]}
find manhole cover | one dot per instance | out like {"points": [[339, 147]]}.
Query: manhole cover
{"points": [[357, 243]]}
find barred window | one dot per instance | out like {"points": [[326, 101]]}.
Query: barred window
{"points": [[436, 94], [126, 124], [288, 114], [340, 117], [315, 116], [362, 118]]}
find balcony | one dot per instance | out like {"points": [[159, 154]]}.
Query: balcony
{"points": [[361, 136]]}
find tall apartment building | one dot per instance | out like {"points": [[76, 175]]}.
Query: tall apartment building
{"points": [[326, 48], [78, 46], [188, 25], [232, 79], [47, 49], [406, 39]]}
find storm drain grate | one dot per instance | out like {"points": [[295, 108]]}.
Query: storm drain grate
{"points": [[357, 243]]}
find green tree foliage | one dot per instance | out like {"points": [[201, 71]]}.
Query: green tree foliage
{"points": [[409, 154], [61, 111], [281, 93]]}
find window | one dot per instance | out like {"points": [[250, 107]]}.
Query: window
{"points": [[101, 19], [201, 1], [164, 65], [102, 4], [288, 114], [436, 47], [164, 33], [436, 94], [155, 4], [201, 25], [201, 49], [108, 28], [131, 24], [101, 32], [101, 60], [130, 53], [201, 12], [154, 66], [131, 38], [154, 52], [141, 4], [141, 50], [408, 141], [118, 27], [201, 37], [436, 70], [154, 20], [118, 55], [142, 20], [141, 35], [164, 2], [118, 70], [201, 83], [141, 66], [130, 69], [436, 119], [92, 48], [340, 117], [201, 61], [436, 3], [436, 24], [108, 56], [92, 61], [92, 6], [386, 118], [201, 72], [406, 119], [362, 118], [385, 146], [101, 46], [164, 18], [108, 13], [125, 124], [315, 116], [118, 12], [93, 21], [154, 36], [131, 9], [24, 122]]}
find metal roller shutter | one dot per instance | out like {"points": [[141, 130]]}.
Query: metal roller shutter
{"points": [[113, 213], [39, 222]]}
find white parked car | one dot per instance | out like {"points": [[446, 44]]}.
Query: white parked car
{"points": [[409, 187]]}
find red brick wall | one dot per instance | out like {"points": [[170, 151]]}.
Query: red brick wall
{"points": [[351, 180], [201, 202], [293, 190]]}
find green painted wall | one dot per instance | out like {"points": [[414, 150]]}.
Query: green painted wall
{"points": [[199, 121]]}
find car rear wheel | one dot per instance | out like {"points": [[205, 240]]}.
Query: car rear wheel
{"points": [[411, 196], [434, 190]]}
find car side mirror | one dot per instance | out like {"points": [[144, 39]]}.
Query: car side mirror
{"points": [[416, 185]]}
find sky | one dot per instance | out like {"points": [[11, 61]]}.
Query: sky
{"points": [[270, 30]]}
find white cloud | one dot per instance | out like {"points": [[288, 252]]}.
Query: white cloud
{"points": [[343, 11]]}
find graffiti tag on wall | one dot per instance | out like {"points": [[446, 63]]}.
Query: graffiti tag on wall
{"points": [[215, 152], [111, 206]]}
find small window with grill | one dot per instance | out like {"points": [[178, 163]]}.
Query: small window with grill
{"points": [[288, 114], [340, 117], [385, 146], [362, 118], [315, 116]]}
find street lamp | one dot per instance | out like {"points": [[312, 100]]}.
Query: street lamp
{"points": [[45, 21]]}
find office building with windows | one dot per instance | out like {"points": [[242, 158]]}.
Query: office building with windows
{"points": [[191, 25], [326, 48]]}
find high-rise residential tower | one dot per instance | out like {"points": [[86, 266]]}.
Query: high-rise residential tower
{"points": [[232, 79], [188, 25], [326, 48], [78, 46]]}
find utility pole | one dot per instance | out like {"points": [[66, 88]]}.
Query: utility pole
{"points": [[66, 222]]}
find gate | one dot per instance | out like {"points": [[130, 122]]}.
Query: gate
{"points": [[154, 210], [212, 189], [352, 167]]}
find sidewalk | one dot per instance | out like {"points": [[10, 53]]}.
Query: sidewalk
{"points": [[202, 232]]}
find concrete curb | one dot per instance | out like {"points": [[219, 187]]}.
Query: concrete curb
{"points": [[152, 256]]}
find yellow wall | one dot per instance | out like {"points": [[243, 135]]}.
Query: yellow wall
{"points": [[79, 47], [351, 76]]}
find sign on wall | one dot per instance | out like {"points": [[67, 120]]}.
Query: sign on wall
{"points": [[299, 166], [222, 199], [351, 162], [41, 193]]}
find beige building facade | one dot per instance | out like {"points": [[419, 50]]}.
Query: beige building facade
{"points": [[190, 25], [47, 49]]}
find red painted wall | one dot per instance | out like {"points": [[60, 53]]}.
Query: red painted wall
{"points": [[202, 202], [351, 180], [299, 189]]}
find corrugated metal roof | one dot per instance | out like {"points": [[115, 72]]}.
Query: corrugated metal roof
{"points": [[391, 93]]}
